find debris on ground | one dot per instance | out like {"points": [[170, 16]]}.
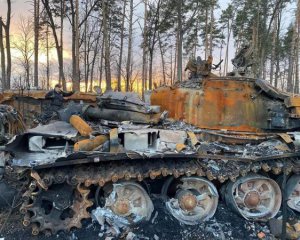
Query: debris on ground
{"points": [[164, 227]]}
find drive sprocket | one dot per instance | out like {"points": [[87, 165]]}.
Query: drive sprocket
{"points": [[61, 207]]}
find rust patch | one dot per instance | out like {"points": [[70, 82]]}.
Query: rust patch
{"points": [[40, 94], [219, 104], [83, 128], [31, 103], [89, 144]]}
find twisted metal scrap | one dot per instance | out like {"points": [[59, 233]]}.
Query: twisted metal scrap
{"points": [[11, 123]]}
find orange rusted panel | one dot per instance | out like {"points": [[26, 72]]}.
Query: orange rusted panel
{"points": [[90, 144], [219, 104], [31, 103], [292, 101], [83, 128], [40, 94], [85, 97]]}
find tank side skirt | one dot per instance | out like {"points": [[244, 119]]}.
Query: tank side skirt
{"points": [[106, 157]]}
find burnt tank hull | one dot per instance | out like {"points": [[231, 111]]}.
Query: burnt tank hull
{"points": [[230, 103], [107, 179]]}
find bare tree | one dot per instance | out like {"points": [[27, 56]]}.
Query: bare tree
{"points": [[62, 16], [76, 71], [179, 40], [36, 10], [7, 42], [59, 49], [153, 33], [121, 45], [2, 54], [129, 54], [24, 44], [296, 87], [106, 45], [145, 34], [7, 64], [76, 26]]}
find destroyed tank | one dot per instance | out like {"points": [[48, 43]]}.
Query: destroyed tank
{"points": [[232, 136]]}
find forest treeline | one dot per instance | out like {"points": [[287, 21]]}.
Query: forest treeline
{"points": [[118, 44]]}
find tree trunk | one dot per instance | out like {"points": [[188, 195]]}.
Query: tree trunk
{"points": [[27, 73], [93, 63], [2, 53], [227, 48], [48, 63], [62, 79], [273, 52], [106, 46], [175, 59], [255, 66], [101, 64], [296, 88], [180, 39], [86, 53], [291, 60], [277, 49], [144, 77], [171, 67], [128, 68], [121, 46], [7, 42], [57, 46], [206, 33], [76, 72], [36, 41], [162, 58], [211, 31], [75, 45], [151, 50]]}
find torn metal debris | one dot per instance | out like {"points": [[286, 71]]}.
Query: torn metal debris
{"points": [[11, 123], [117, 106]]}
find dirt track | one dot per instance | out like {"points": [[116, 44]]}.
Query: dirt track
{"points": [[162, 226]]}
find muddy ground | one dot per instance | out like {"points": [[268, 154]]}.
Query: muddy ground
{"points": [[162, 226]]}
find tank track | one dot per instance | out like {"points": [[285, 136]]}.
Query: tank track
{"points": [[80, 178]]}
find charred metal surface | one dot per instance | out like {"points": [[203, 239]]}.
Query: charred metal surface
{"points": [[11, 123], [61, 207], [97, 113], [233, 104], [7, 193], [293, 193], [117, 106], [32, 103], [128, 101], [40, 95]]}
